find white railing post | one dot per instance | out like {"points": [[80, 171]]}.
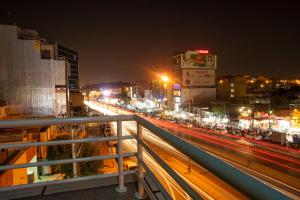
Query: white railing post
{"points": [[120, 187], [141, 191]]}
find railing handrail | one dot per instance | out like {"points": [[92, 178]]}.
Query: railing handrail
{"points": [[63, 161], [57, 182], [238, 179], [241, 181], [71, 120], [62, 142]]}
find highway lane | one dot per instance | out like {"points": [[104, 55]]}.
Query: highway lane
{"points": [[275, 165], [279, 171], [174, 190], [287, 164], [205, 183]]}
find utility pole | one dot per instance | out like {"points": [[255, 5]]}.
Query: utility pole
{"points": [[290, 115], [224, 109], [251, 115], [165, 95], [270, 128]]}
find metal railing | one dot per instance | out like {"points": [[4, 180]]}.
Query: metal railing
{"points": [[239, 180]]}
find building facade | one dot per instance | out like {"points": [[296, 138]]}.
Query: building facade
{"points": [[138, 89], [71, 57], [193, 84], [232, 87], [58, 51], [29, 77], [3, 110]]}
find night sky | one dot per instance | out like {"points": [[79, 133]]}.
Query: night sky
{"points": [[129, 41]]}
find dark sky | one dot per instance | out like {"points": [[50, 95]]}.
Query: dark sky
{"points": [[128, 41]]}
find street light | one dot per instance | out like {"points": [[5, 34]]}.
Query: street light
{"points": [[165, 79], [189, 118], [270, 126]]}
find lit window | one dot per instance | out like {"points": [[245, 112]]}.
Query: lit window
{"points": [[177, 99], [232, 84], [232, 90], [232, 95], [177, 93]]}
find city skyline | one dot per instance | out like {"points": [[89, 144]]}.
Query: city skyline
{"points": [[144, 99], [128, 41]]}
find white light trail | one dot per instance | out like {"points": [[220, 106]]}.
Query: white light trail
{"points": [[130, 127]]}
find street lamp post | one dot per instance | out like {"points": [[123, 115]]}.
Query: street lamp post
{"points": [[165, 92], [290, 116], [165, 80], [270, 112]]}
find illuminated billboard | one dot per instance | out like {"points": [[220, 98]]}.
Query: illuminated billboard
{"points": [[198, 77], [194, 59]]}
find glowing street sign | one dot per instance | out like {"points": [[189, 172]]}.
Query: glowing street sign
{"points": [[202, 51]]}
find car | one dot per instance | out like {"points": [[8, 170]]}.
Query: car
{"points": [[258, 137], [223, 131]]}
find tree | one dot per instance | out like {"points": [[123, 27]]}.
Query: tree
{"points": [[79, 111], [218, 110], [60, 152], [92, 167], [123, 96], [279, 101]]}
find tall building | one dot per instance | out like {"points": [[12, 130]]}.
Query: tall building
{"points": [[193, 79], [158, 91], [54, 50], [232, 87], [72, 57], [244, 88], [138, 89], [32, 79]]}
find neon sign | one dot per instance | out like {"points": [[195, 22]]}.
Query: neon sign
{"points": [[202, 51]]}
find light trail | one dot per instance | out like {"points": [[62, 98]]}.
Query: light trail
{"points": [[263, 143], [173, 188], [265, 179], [131, 127], [204, 194], [231, 145]]}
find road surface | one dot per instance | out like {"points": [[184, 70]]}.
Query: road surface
{"points": [[204, 182]]}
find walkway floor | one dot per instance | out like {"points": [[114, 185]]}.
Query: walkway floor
{"points": [[103, 193]]}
